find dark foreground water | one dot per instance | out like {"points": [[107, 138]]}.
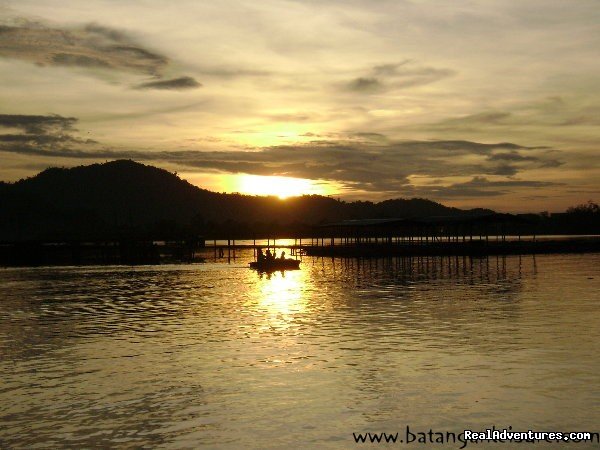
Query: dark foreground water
{"points": [[216, 356]]}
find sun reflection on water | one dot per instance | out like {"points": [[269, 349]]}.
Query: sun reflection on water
{"points": [[278, 307], [280, 298], [282, 292]]}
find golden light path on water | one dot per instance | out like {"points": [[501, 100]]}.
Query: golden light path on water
{"points": [[281, 297]]}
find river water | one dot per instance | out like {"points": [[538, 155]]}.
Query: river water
{"points": [[215, 355]]}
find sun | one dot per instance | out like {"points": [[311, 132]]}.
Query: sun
{"points": [[282, 187]]}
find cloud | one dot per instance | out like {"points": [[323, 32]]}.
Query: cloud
{"points": [[395, 76], [365, 84], [482, 187], [484, 118], [50, 135], [541, 113], [172, 84], [109, 33], [232, 72], [408, 73], [69, 59], [37, 124], [93, 46], [511, 156]]}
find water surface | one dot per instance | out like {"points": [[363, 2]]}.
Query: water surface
{"points": [[219, 356]]}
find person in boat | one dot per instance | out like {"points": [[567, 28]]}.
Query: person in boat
{"points": [[260, 257], [269, 256], [282, 257]]}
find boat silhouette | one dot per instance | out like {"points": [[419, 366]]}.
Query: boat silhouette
{"points": [[275, 264]]}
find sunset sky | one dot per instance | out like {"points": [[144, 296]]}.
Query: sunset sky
{"points": [[493, 104]]}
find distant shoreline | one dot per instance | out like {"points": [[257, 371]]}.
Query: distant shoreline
{"points": [[34, 254]]}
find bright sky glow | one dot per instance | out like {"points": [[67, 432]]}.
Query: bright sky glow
{"points": [[282, 187], [492, 104]]}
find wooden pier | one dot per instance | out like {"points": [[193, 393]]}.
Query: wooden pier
{"points": [[488, 234]]}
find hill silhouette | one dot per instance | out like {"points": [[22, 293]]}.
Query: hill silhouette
{"points": [[120, 197]]}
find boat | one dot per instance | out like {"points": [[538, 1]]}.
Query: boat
{"points": [[275, 264]]}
